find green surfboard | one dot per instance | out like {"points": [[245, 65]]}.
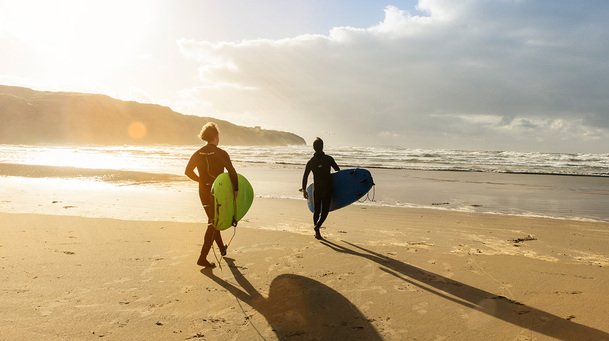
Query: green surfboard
{"points": [[228, 210]]}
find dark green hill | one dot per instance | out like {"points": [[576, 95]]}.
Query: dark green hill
{"points": [[35, 117]]}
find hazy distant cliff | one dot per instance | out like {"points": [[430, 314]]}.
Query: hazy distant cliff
{"points": [[30, 117]]}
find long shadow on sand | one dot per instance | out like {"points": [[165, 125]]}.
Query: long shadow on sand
{"points": [[483, 301], [301, 308]]}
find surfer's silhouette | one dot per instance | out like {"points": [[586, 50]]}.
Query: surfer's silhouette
{"points": [[320, 165], [301, 308], [210, 161], [476, 299]]}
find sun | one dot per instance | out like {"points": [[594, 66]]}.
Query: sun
{"points": [[73, 38]]}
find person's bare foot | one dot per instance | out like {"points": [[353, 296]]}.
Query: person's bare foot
{"points": [[204, 263], [317, 234]]}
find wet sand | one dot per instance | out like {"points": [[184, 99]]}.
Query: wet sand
{"points": [[33, 187], [382, 273]]}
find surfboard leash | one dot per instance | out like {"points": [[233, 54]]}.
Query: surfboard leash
{"points": [[368, 195], [213, 249], [231, 238], [248, 318], [219, 261], [234, 222], [373, 193]]}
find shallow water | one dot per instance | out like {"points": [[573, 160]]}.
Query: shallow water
{"points": [[140, 177], [152, 196]]}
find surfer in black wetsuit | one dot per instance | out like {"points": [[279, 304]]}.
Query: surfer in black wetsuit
{"points": [[320, 165], [210, 161]]}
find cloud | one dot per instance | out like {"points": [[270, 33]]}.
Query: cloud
{"points": [[473, 74]]}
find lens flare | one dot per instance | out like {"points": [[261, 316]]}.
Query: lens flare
{"points": [[137, 130]]}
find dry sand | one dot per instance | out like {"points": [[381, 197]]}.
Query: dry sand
{"points": [[383, 273]]}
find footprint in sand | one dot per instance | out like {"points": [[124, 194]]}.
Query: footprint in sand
{"points": [[407, 287], [152, 267], [420, 308], [592, 259], [380, 290], [180, 257], [119, 281]]}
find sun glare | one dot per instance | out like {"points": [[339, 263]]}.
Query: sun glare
{"points": [[72, 157], [74, 37]]}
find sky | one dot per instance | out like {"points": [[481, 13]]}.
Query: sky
{"points": [[521, 75]]}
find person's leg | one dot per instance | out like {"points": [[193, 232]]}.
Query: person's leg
{"points": [[208, 205], [211, 233], [207, 241], [220, 243], [317, 207], [325, 209]]}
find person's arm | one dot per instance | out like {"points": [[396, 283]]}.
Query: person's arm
{"points": [[232, 173], [305, 178], [190, 168], [334, 165]]}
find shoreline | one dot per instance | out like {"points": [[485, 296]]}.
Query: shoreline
{"points": [[139, 202], [382, 273], [21, 169], [69, 210], [571, 197]]}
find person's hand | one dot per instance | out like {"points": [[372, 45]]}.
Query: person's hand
{"points": [[305, 194]]}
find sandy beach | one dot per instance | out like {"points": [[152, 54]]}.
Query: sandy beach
{"points": [[382, 273], [464, 146]]}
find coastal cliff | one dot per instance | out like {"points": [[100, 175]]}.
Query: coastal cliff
{"points": [[35, 117]]}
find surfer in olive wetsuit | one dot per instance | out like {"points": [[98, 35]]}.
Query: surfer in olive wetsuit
{"points": [[320, 165], [210, 161]]}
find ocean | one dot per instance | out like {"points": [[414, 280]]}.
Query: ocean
{"points": [[557, 185], [170, 159]]}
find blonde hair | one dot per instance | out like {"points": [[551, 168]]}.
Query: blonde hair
{"points": [[209, 131]]}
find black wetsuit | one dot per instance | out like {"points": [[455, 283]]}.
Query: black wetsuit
{"points": [[210, 162], [320, 165]]}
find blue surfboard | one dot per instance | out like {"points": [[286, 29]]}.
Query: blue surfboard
{"points": [[348, 186]]}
